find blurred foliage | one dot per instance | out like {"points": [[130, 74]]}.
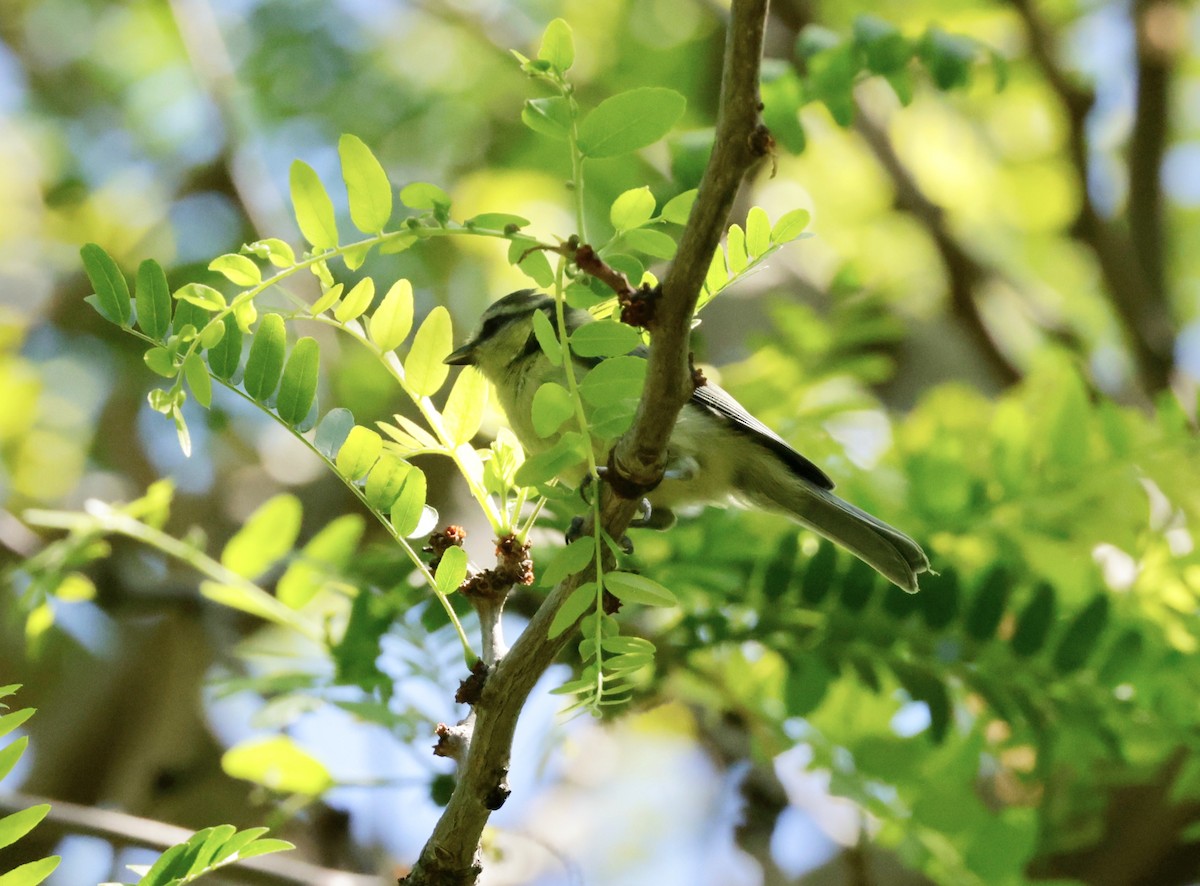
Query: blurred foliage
{"points": [[989, 730]]}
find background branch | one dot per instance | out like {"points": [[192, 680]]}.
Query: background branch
{"points": [[451, 856]]}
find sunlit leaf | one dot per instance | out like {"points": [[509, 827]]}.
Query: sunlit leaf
{"points": [[632, 209], [204, 297], [274, 250], [356, 302], [31, 873], [391, 322], [359, 453], [650, 242], [160, 362], [758, 232], [679, 208], [385, 482], [328, 299], [424, 368], [237, 269], [790, 226], [422, 195], [558, 45], [266, 537], [630, 120], [327, 551], [367, 185], [279, 764], [452, 570], [463, 412], [408, 510], [312, 206]]}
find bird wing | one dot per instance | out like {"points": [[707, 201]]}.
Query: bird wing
{"points": [[719, 403]]}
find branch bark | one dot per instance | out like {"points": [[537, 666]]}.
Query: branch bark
{"points": [[451, 855], [1139, 300]]}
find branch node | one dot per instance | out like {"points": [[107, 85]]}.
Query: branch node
{"points": [[452, 742], [471, 688], [639, 308], [624, 486], [500, 792], [440, 542]]}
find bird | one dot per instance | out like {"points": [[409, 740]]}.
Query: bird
{"points": [[718, 452]]}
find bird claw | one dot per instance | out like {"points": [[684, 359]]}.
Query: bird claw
{"points": [[575, 530]]}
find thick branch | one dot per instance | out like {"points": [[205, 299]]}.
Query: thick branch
{"points": [[451, 856], [1141, 307]]}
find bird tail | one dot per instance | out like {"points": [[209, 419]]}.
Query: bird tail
{"points": [[886, 549]]}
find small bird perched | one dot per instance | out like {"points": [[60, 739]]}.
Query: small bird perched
{"points": [[718, 451]]}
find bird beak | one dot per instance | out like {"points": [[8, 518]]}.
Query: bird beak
{"points": [[464, 356]]}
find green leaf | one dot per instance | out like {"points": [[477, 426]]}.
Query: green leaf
{"points": [[237, 269], [265, 847], [359, 453], [988, 605], [616, 379], [650, 242], [153, 300], [409, 507], [717, 276], [204, 297], [452, 571], [735, 249], [1081, 636], [10, 754], [357, 301], [569, 560], [604, 338], [632, 209], [629, 121], [266, 537], [245, 313], [367, 185], [550, 117], [15, 826], [392, 320], [326, 552], [531, 260], [552, 406], [422, 195], [580, 600], [423, 367], [181, 430], [9, 722], [224, 357], [299, 387], [1033, 624], [236, 843], [332, 431], [497, 221], [464, 408], [778, 575], [679, 207], [758, 232], [279, 764], [112, 290], [212, 333], [547, 338], [558, 45], [268, 348], [313, 208], [566, 453], [198, 380], [385, 482], [327, 300], [949, 57], [629, 587], [160, 362], [31, 873], [790, 226], [274, 250]]}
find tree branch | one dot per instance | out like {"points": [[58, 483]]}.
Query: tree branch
{"points": [[122, 829], [451, 856], [1140, 305]]}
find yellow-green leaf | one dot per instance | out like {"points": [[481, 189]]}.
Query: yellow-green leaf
{"points": [[266, 537], [327, 300], [279, 764], [313, 208], [758, 232], [359, 453], [423, 368], [367, 185], [391, 322], [409, 506], [237, 269], [385, 482], [196, 373], [357, 300], [452, 570], [558, 45], [464, 407]]}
